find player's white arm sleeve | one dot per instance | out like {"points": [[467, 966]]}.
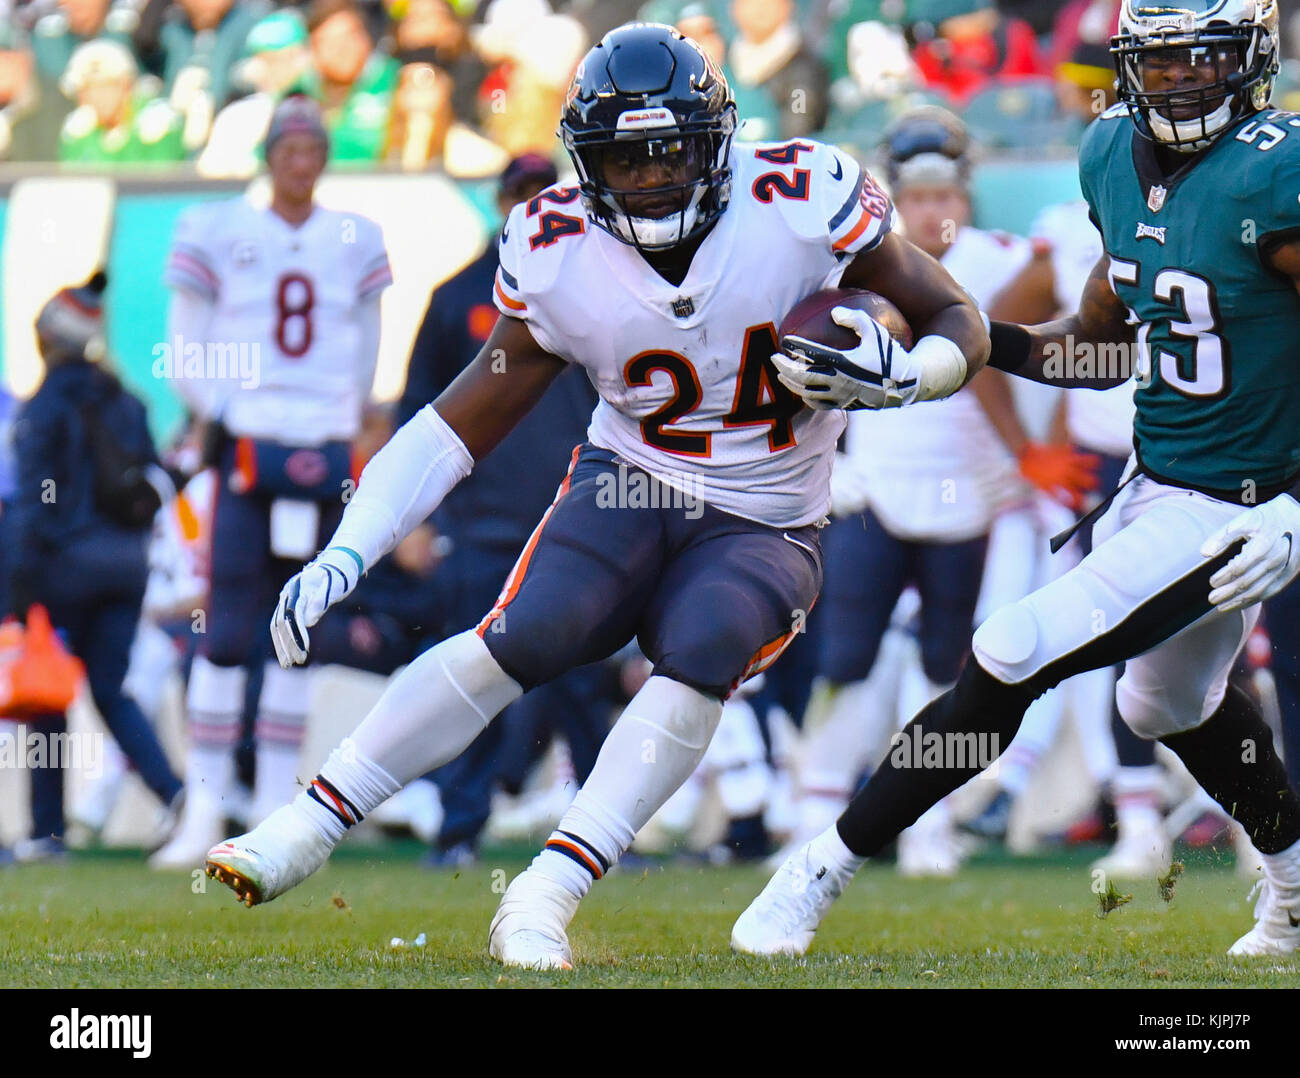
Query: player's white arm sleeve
{"points": [[403, 483], [368, 319], [189, 319]]}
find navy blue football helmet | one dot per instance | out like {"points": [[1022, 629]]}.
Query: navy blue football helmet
{"points": [[647, 101]]}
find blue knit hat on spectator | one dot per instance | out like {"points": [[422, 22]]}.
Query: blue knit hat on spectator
{"points": [[70, 326], [533, 167], [295, 114]]}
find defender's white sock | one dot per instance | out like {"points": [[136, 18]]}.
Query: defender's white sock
{"points": [[829, 849]]}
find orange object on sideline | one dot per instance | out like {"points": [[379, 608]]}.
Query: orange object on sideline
{"points": [[38, 676]]}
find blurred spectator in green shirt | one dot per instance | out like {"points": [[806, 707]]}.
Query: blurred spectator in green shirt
{"points": [[352, 81], [276, 59], [200, 42], [74, 22], [115, 121]]}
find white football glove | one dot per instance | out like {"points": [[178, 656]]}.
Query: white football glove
{"points": [[875, 374], [330, 576], [1267, 563]]}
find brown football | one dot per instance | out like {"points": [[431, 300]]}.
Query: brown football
{"points": [[811, 318]]}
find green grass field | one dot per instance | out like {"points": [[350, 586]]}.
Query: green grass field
{"points": [[104, 920]]}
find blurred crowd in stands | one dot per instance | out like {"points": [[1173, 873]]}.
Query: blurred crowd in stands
{"points": [[465, 85]]}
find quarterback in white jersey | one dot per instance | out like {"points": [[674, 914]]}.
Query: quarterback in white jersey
{"points": [[286, 311], [273, 334], [688, 520]]}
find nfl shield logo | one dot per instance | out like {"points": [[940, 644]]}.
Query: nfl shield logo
{"points": [[1156, 198], [683, 307]]}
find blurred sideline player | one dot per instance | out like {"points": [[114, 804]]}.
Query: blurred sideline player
{"points": [[925, 520], [1179, 568], [298, 287], [688, 520]]}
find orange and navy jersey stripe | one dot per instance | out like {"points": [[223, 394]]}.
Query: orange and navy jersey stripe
{"points": [[378, 276], [577, 849], [851, 229], [505, 290], [516, 578]]}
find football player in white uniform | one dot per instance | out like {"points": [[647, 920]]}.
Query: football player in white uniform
{"points": [[924, 521], [688, 520], [273, 336]]}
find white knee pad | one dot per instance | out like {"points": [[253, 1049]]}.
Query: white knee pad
{"points": [[470, 668], [1007, 644], [1155, 711]]}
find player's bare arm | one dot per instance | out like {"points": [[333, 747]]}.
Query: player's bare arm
{"points": [[1034, 352], [508, 376], [1285, 259], [931, 301], [409, 477]]}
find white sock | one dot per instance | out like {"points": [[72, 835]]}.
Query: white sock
{"points": [[654, 746], [214, 701], [586, 843], [347, 788], [1137, 798], [1284, 866], [281, 722], [829, 849], [434, 708]]}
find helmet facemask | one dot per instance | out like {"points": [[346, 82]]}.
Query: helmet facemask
{"points": [[1232, 69], [655, 189]]}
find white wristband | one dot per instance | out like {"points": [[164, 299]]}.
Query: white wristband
{"points": [[940, 365], [403, 483]]}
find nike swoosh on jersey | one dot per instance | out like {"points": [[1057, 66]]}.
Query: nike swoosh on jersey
{"points": [[839, 170], [505, 233]]}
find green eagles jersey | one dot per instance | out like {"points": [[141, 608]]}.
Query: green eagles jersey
{"points": [[358, 127], [1218, 398]]}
